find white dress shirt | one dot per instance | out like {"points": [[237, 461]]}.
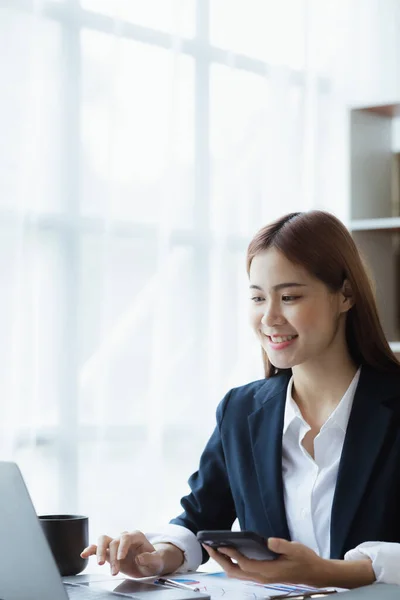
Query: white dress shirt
{"points": [[309, 486]]}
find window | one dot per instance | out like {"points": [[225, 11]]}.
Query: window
{"points": [[143, 143]]}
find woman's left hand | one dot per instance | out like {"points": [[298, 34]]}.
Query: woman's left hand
{"points": [[296, 564]]}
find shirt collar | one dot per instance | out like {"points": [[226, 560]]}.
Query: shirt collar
{"points": [[340, 416]]}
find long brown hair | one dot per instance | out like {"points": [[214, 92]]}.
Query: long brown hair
{"points": [[319, 242]]}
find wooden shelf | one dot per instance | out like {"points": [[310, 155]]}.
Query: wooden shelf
{"points": [[381, 224], [374, 202], [387, 110]]}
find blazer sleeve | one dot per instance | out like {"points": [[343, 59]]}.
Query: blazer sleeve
{"points": [[209, 505]]}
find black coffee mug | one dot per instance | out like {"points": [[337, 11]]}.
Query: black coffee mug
{"points": [[67, 536]]}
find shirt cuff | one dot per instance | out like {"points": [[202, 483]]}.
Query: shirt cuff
{"points": [[185, 540], [385, 557]]}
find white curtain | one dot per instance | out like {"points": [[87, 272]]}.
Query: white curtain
{"points": [[142, 145]]}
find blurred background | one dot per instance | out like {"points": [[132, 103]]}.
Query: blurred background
{"points": [[143, 143]]}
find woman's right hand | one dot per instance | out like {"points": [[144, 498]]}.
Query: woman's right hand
{"points": [[132, 554]]}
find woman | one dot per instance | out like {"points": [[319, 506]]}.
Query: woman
{"points": [[311, 453]]}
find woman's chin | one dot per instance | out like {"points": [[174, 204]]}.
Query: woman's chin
{"points": [[283, 365], [281, 362]]}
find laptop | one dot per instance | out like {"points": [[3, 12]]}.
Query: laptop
{"points": [[27, 567]]}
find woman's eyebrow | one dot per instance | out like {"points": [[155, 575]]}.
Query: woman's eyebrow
{"points": [[279, 286]]}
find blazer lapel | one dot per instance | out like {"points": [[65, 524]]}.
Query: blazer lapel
{"points": [[266, 425], [366, 431]]}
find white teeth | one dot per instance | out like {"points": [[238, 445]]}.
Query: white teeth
{"points": [[282, 338]]}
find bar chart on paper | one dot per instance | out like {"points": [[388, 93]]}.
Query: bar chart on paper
{"points": [[218, 585]]}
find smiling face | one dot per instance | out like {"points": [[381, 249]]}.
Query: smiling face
{"points": [[296, 317]]}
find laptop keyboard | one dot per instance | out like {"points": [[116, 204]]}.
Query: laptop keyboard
{"points": [[82, 592]]}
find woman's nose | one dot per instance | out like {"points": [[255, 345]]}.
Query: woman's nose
{"points": [[272, 317]]}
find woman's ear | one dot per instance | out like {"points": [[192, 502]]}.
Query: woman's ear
{"points": [[347, 300]]}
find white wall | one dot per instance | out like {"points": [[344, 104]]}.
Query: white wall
{"points": [[370, 57], [364, 65]]}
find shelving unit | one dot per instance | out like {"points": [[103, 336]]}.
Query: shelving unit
{"points": [[383, 224], [375, 207]]}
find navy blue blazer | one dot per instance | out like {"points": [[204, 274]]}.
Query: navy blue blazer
{"points": [[240, 471]]}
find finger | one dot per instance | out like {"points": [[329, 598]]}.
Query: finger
{"points": [[139, 543], [150, 563], [124, 545], [246, 564], [231, 569], [231, 552], [243, 562], [247, 568], [89, 551], [280, 546], [224, 561], [114, 562], [102, 547]]}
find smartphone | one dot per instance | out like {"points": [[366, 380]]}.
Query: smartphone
{"points": [[248, 543]]}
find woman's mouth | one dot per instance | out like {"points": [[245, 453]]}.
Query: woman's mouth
{"points": [[279, 342]]}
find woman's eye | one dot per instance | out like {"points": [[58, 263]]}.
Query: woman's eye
{"points": [[257, 299], [289, 298]]}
